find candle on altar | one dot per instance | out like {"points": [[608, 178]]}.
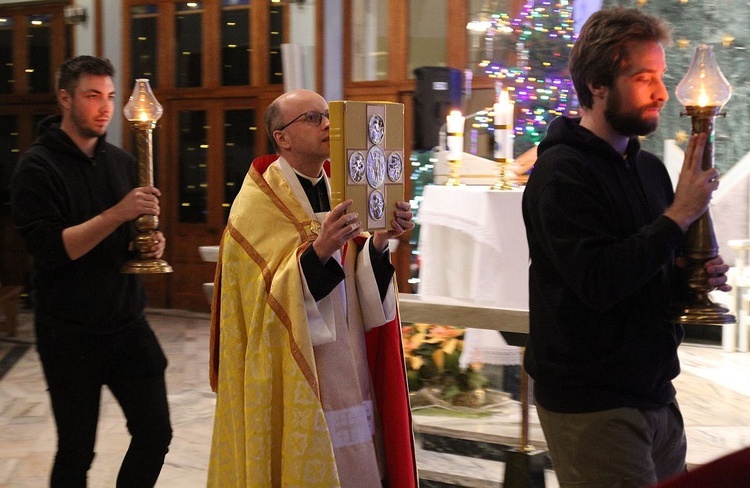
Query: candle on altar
{"points": [[504, 109], [455, 128]]}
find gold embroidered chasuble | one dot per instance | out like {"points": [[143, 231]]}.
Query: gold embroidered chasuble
{"points": [[289, 413]]}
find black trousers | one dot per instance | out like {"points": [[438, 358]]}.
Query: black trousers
{"points": [[131, 364]]}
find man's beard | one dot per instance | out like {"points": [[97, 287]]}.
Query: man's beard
{"points": [[630, 123], [82, 129]]}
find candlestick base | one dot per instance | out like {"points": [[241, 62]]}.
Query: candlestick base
{"points": [[454, 166], [146, 266], [144, 242], [502, 182], [524, 468], [702, 311], [502, 185]]}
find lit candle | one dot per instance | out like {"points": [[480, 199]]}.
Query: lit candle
{"points": [[503, 109], [455, 126], [504, 127], [702, 98]]}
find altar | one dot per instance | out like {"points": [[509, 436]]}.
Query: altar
{"points": [[472, 245]]}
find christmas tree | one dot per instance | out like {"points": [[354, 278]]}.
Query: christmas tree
{"points": [[538, 80]]}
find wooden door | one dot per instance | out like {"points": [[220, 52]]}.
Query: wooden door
{"points": [[211, 143]]}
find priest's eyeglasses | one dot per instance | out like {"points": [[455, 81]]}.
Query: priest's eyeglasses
{"points": [[311, 118]]}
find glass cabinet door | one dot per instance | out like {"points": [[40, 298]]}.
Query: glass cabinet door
{"points": [[244, 51], [39, 42], [193, 166], [6, 55], [214, 143], [143, 24], [34, 39], [9, 150], [188, 44], [427, 41], [369, 27], [235, 42], [275, 39], [239, 150]]}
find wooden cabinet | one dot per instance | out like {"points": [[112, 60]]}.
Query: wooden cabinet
{"points": [[34, 40]]}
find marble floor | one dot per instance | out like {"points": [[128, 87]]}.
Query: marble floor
{"points": [[714, 391]]}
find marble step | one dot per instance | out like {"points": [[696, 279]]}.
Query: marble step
{"points": [[443, 470], [470, 451], [501, 428], [473, 449]]}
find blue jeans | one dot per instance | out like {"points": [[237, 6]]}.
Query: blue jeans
{"points": [[131, 364]]}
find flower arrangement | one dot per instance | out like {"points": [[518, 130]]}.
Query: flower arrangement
{"points": [[432, 355]]}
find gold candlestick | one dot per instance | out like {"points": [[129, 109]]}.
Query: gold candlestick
{"points": [[454, 172], [143, 110], [524, 464], [502, 182]]}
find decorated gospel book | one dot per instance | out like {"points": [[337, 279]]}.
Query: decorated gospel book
{"points": [[367, 159]]}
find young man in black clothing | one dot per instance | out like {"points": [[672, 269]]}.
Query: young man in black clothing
{"points": [[73, 198], [603, 227]]}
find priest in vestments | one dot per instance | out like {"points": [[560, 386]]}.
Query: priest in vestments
{"points": [[306, 352]]}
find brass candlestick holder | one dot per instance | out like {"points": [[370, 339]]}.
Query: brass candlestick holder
{"points": [[502, 182], [143, 110], [700, 240], [524, 464], [454, 172], [703, 91]]}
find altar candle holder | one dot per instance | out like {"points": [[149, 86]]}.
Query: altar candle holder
{"points": [[703, 91], [142, 111], [455, 140], [503, 110]]}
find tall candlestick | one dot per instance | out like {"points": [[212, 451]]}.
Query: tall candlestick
{"points": [[143, 110], [455, 127], [504, 110], [703, 91]]}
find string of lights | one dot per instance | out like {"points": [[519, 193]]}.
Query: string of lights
{"points": [[537, 79]]}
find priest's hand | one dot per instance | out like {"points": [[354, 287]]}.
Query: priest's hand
{"points": [[337, 228], [402, 222]]}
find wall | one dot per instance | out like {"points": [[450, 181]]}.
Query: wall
{"points": [[333, 54], [112, 38]]}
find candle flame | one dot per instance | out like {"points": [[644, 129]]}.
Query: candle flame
{"points": [[703, 98], [504, 97]]}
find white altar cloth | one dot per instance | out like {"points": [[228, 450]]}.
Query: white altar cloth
{"points": [[472, 244]]}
